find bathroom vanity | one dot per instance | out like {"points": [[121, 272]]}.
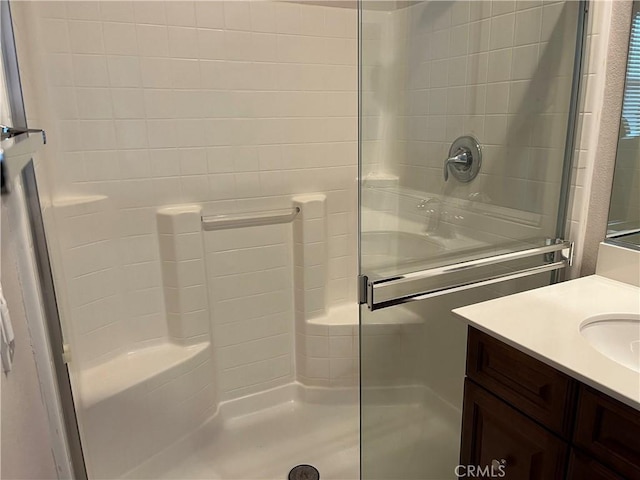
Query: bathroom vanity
{"points": [[539, 422], [543, 400]]}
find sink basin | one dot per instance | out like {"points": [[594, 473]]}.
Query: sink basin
{"points": [[616, 336]]}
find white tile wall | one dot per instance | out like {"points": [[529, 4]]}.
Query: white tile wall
{"points": [[501, 74], [233, 106], [328, 355], [249, 276], [226, 106], [109, 305]]}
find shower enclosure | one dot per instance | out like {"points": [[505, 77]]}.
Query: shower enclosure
{"points": [[211, 183]]}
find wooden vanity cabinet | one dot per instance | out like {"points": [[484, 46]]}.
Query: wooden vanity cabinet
{"points": [[496, 433], [541, 423], [608, 431], [582, 467], [538, 390]]}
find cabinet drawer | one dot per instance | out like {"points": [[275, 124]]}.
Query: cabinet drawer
{"points": [[609, 431], [538, 390], [582, 467], [495, 434]]}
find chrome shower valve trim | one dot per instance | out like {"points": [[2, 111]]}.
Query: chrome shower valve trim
{"points": [[465, 159]]}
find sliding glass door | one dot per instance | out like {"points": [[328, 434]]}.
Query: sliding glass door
{"points": [[467, 119]]}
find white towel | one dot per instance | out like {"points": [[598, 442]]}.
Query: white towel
{"points": [[7, 338]]}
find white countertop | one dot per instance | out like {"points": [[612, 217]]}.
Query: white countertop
{"points": [[545, 323]]}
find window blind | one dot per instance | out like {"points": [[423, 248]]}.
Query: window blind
{"points": [[631, 103]]}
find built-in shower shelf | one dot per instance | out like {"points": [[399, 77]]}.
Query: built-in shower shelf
{"points": [[147, 368], [348, 316], [78, 201], [393, 317]]}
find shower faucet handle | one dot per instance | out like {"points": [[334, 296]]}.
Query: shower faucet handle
{"points": [[462, 157], [464, 160]]}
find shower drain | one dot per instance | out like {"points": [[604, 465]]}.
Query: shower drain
{"points": [[304, 472]]}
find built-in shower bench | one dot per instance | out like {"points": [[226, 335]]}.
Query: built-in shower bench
{"points": [[136, 404], [147, 368]]}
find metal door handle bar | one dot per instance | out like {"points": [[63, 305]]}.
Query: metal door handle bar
{"points": [[15, 156], [7, 132], [222, 222], [414, 286]]}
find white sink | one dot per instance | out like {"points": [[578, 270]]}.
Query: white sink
{"points": [[616, 336]]}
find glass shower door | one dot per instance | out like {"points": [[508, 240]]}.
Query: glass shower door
{"points": [[467, 119]]}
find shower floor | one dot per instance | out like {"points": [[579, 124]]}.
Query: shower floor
{"points": [[269, 443], [266, 444]]}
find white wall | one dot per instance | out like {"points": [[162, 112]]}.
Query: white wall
{"points": [[234, 106]]}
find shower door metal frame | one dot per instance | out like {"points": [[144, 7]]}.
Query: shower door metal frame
{"points": [[572, 120], [572, 125], [45, 282]]}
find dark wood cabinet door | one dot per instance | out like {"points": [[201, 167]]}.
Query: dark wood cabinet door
{"points": [[582, 467], [609, 431], [536, 389], [494, 433]]}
